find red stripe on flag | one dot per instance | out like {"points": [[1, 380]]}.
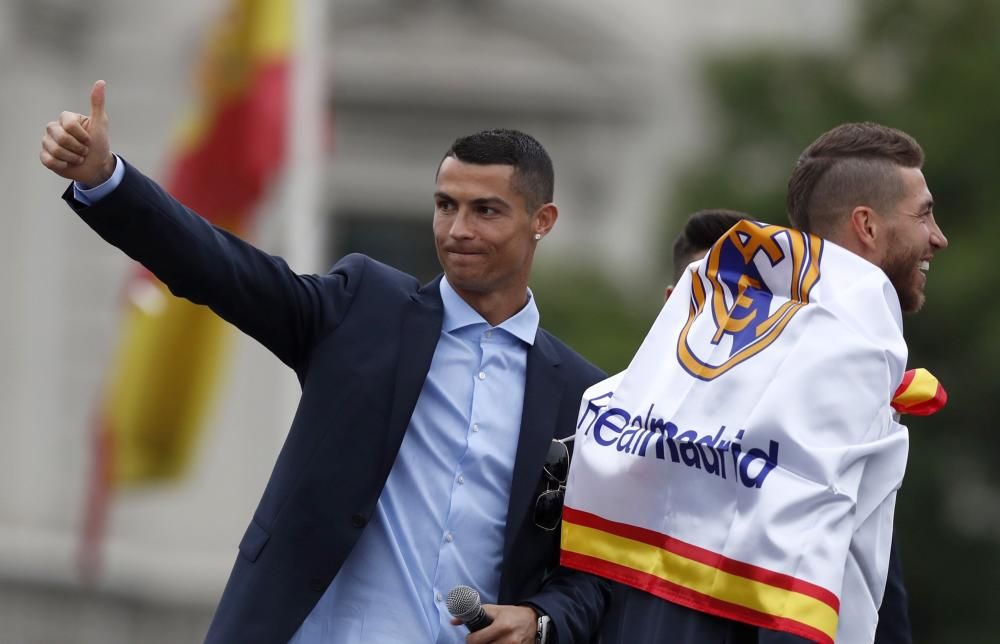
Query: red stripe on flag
{"points": [[908, 377], [927, 407], [684, 596], [224, 176], [701, 555]]}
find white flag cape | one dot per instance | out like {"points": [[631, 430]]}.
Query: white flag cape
{"points": [[746, 462]]}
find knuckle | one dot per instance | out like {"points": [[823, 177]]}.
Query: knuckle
{"points": [[51, 162], [64, 139]]}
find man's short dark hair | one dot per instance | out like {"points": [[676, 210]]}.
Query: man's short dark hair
{"points": [[702, 229], [854, 164], [533, 177]]}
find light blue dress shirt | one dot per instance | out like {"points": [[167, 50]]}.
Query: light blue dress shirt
{"points": [[441, 517]]}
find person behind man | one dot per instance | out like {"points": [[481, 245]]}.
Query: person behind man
{"points": [[416, 455], [890, 222], [637, 616], [702, 229], [860, 187]]}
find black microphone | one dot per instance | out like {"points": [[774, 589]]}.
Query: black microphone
{"points": [[463, 604]]}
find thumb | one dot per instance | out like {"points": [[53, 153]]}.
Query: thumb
{"points": [[97, 101]]}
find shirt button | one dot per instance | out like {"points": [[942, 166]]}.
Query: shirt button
{"points": [[482, 375], [489, 334], [475, 427], [448, 537], [438, 597], [461, 479]]}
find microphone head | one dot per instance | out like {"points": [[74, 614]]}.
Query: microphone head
{"points": [[463, 602]]}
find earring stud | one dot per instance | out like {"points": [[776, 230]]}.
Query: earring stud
{"points": [[538, 236]]}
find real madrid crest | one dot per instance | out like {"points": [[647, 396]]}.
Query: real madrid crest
{"points": [[750, 286]]}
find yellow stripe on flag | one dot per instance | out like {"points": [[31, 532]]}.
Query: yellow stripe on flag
{"points": [[923, 387], [252, 34], [270, 28], [699, 577], [164, 380]]}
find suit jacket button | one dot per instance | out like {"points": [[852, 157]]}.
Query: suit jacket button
{"points": [[358, 521]]}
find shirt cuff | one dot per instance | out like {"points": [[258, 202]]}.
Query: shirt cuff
{"points": [[90, 196]]}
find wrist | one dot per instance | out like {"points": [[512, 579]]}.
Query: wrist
{"points": [[544, 629], [106, 170]]}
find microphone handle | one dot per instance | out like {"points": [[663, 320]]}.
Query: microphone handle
{"points": [[479, 622]]}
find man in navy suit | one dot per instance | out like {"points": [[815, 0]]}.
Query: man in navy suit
{"points": [[416, 459]]}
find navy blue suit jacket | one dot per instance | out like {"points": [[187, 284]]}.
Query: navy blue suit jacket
{"points": [[360, 339]]}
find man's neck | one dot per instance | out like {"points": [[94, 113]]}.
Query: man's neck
{"points": [[849, 243], [495, 306]]}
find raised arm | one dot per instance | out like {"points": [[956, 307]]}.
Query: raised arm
{"points": [[255, 291]]}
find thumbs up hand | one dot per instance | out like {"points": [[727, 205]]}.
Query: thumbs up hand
{"points": [[76, 146]]}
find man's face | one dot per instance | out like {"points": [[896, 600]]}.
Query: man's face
{"points": [[912, 239], [483, 232]]}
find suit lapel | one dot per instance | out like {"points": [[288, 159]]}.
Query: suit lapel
{"points": [[420, 330], [543, 389]]}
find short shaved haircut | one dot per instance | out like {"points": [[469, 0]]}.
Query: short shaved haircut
{"points": [[854, 164], [533, 176]]}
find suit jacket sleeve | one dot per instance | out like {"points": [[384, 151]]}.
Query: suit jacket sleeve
{"points": [[257, 292], [894, 615], [575, 602]]}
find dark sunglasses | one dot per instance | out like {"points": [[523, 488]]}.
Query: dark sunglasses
{"points": [[548, 506]]}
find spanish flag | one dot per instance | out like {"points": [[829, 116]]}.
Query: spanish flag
{"points": [[920, 394], [166, 372]]}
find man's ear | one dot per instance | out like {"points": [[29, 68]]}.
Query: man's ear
{"points": [[864, 227], [545, 218]]}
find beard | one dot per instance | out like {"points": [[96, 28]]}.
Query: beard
{"points": [[900, 266]]}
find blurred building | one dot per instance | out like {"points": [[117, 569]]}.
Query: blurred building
{"points": [[609, 87]]}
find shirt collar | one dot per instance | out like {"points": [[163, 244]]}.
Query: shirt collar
{"points": [[457, 314]]}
